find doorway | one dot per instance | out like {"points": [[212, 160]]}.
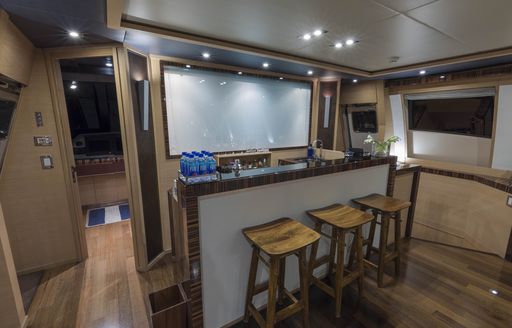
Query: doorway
{"points": [[95, 130]]}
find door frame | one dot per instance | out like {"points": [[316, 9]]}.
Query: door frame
{"points": [[52, 58]]}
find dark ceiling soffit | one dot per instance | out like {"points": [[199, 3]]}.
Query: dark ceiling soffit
{"points": [[226, 45], [233, 46]]}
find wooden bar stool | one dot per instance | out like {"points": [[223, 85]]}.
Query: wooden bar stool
{"points": [[341, 219], [388, 208], [278, 239]]}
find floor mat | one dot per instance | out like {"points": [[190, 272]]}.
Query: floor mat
{"points": [[106, 215]]}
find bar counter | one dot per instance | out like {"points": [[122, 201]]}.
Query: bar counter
{"points": [[210, 217]]}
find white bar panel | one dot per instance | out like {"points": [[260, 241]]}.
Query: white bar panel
{"points": [[502, 155], [397, 114]]}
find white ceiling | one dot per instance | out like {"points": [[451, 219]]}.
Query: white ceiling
{"points": [[415, 30]]}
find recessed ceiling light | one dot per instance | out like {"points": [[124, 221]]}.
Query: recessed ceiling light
{"points": [[188, 66], [310, 72], [108, 64], [423, 72], [306, 36], [281, 78], [493, 291], [202, 81], [73, 85], [354, 81], [223, 83], [74, 34], [338, 45], [206, 55], [240, 73], [349, 42], [318, 32], [265, 65], [442, 77]]}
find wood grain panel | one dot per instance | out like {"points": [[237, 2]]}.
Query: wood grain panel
{"points": [[16, 51], [327, 134], [35, 201], [358, 93], [138, 70], [471, 213]]}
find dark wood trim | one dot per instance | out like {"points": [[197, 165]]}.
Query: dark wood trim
{"points": [[189, 194], [508, 253], [416, 171], [234, 71]]}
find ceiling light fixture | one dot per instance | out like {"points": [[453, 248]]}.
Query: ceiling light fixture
{"points": [[306, 36], [338, 45], [206, 55], [108, 64], [281, 78], [240, 73], [493, 291], [423, 72], [265, 65], [310, 72], [318, 32], [74, 34], [354, 81], [188, 66], [442, 77], [73, 85], [349, 42]]}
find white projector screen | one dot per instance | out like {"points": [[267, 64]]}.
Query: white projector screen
{"points": [[218, 111]]}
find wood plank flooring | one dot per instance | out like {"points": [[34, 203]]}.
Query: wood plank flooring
{"points": [[440, 287]]}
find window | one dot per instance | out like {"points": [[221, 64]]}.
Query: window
{"points": [[457, 113]]}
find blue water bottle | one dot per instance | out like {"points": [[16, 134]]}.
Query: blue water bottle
{"points": [[311, 152]]}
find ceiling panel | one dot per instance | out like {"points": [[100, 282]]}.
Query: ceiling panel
{"points": [[415, 30], [480, 24], [404, 5]]}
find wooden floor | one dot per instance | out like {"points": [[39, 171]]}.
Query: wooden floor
{"points": [[105, 290], [440, 287]]}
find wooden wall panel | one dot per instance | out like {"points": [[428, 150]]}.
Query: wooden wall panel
{"points": [[35, 201], [462, 213], [148, 170], [16, 51], [11, 306], [103, 189], [326, 134], [358, 93]]}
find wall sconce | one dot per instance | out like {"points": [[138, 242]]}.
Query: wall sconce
{"points": [[327, 110], [143, 94]]}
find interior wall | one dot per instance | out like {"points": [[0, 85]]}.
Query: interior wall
{"points": [[449, 147], [462, 213], [11, 305], [168, 168], [16, 51], [35, 202]]}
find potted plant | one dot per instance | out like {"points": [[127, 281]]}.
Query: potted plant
{"points": [[381, 148]]}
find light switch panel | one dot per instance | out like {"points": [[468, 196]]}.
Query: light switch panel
{"points": [[509, 200], [46, 162], [43, 141]]}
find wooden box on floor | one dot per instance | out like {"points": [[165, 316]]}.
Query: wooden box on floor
{"points": [[169, 308]]}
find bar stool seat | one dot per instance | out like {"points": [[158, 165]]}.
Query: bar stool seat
{"points": [[342, 219], [389, 209], [278, 239], [281, 237]]}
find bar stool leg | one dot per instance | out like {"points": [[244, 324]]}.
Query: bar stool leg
{"points": [[252, 282], [332, 252], [272, 291], [280, 282], [304, 286], [340, 267], [314, 251], [371, 235], [397, 243], [360, 262], [384, 230]]}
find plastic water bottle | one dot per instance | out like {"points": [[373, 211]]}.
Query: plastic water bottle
{"points": [[192, 169], [182, 162], [213, 164]]}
